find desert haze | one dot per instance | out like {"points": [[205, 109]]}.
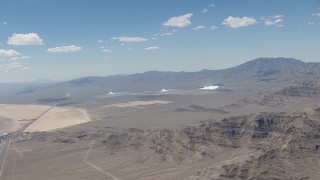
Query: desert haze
{"points": [[261, 122]]}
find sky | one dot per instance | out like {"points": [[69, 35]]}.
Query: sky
{"points": [[67, 39]]}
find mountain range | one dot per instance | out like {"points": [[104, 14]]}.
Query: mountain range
{"points": [[277, 70]]}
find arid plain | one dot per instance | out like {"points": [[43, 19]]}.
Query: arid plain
{"points": [[262, 127]]}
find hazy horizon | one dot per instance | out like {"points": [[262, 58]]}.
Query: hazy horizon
{"points": [[46, 80], [61, 40]]}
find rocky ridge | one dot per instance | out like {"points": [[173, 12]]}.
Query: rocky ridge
{"points": [[256, 146]]}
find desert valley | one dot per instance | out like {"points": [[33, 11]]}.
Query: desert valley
{"points": [[258, 120]]}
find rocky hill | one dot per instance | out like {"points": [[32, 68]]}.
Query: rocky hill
{"points": [[300, 91], [261, 146], [196, 108]]}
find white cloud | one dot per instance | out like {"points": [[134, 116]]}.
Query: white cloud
{"points": [[154, 38], [19, 58], [129, 39], [273, 20], [316, 14], [311, 23], [12, 67], [166, 34], [213, 27], [100, 41], [199, 27], [130, 49], [11, 55], [25, 39], [64, 49], [151, 48], [277, 16], [179, 21], [106, 50], [212, 5], [205, 10], [4, 23], [8, 53], [237, 22]]}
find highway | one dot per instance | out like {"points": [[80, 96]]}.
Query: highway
{"points": [[16, 134]]}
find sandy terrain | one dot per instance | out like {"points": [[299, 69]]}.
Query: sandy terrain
{"points": [[11, 115], [138, 104], [58, 118], [22, 112], [7, 125]]}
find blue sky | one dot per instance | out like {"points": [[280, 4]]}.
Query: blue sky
{"points": [[65, 39]]}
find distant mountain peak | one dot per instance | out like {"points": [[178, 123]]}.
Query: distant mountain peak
{"points": [[270, 63], [279, 60], [276, 59]]}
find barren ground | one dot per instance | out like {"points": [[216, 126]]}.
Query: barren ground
{"points": [[59, 118], [154, 141]]}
